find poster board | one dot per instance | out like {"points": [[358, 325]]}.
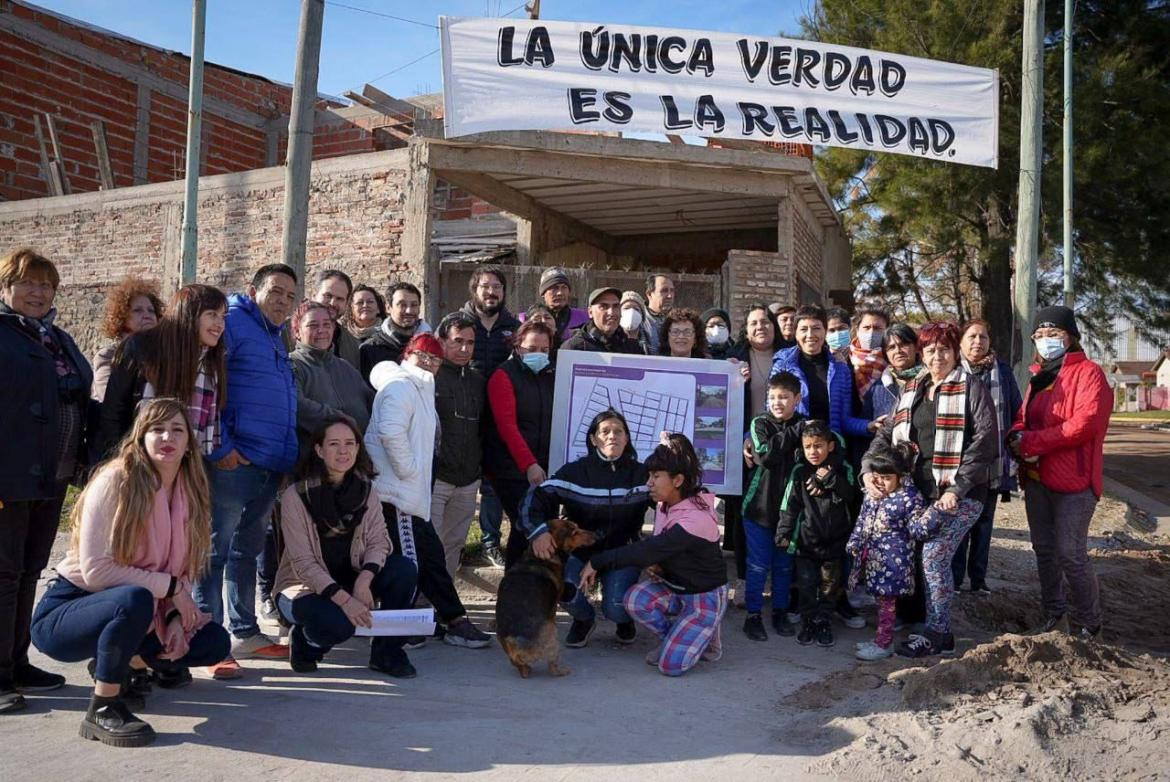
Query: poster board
{"points": [[701, 398], [537, 74]]}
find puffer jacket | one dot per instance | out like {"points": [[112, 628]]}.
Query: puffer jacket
{"points": [[401, 436], [259, 419], [589, 337], [460, 398], [607, 498], [685, 544], [818, 527], [840, 384], [1065, 425], [522, 404], [28, 410]]}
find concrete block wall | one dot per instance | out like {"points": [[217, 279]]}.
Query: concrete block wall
{"points": [[807, 252], [756, 276], [96, 239]]}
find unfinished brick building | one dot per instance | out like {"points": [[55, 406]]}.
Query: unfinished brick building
{"points": [[390, 198]]}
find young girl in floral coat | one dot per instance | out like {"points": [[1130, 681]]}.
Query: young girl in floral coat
{"points": [[881, 544]]}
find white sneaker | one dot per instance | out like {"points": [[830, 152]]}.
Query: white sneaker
{"points": [[793, 618], [258, 647], [869, 651], [859, 599]]}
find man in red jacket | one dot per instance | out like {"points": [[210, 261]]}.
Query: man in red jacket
{"points": [[1059, 439]]}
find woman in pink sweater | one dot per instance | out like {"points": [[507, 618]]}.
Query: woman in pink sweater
{"points": [[141, 537]]}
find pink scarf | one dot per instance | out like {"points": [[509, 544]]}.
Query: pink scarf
{"points": [[695, 514], [164, 547]]}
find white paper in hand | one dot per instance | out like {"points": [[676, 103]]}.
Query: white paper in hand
{"points": [[414, 621]]}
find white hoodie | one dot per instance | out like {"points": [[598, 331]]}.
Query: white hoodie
{"points": [[401, 436]]}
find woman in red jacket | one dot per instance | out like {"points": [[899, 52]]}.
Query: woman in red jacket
{"points": [[520, 395], [1059, 439]]}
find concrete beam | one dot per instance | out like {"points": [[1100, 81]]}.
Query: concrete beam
{"points": [[611, 147], [30, 31], [142, 137], [659, 173], [416, 232], [524, 206]]}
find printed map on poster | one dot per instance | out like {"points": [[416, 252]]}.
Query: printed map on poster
{"points": [[700, 398]]}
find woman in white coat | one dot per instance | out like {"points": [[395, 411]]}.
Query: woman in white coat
{"points": [[401, 441]]}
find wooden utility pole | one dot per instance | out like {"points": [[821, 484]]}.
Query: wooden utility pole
{"points": [[1069, 249], [298, 169], [1031, 147], [533, 9], [190, 231]]}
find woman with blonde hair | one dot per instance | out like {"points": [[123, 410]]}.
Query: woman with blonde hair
{"points": [[141, 538]]}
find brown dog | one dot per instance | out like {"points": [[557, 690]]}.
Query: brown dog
{"points": [[526, 604]]}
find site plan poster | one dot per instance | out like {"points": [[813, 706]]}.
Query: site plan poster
{"points": [[700, 398]]}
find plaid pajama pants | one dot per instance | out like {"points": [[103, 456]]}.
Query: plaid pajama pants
{"points": [[685, 623]]}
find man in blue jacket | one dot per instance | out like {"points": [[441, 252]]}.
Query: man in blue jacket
{"points": [[259, 445]]}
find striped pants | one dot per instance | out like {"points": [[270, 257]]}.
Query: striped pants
{"points": [[685, 623]]}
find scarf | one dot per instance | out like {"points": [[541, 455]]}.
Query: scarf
{"points": [[336, 510], [163, 549], [362, 334], [1046, 375], [868, 366], [907, 374], [988, 369], [202, 408], [949, 422]]}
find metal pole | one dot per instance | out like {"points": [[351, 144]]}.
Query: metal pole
{"points": [[1069, 249], [300, 139], [194, 124], [1031, 146]]}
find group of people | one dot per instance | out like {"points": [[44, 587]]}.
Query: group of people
{"points": [[330, 453]]}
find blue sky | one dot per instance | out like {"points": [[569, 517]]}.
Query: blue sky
{"points": [[260, 36]]}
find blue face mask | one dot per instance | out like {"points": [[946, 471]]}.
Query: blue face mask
{"points": [[1050, 348], [838, 339], [535, 361]]}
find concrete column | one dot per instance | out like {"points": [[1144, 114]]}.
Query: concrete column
{"points": [[417, 218]]}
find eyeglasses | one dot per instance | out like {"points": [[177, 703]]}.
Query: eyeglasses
{"points": [[682, 332], [490, 287], [430, 359]]}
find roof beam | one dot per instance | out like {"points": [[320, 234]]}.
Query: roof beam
{"points": [[658, 173], [518, 203]]}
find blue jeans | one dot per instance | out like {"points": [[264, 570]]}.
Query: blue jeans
{"points": [[975, 548], [241, 502], [324, 625], [764, 556], [112, 626], [491, 514], [615, 582]]}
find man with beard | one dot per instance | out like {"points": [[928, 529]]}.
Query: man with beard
{"points": [[556, 293], [400, 325], [334, 288], [494, 325], [603, 333]]}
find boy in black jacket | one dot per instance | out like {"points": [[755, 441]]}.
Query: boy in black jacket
{"points": [[816, 519], [775, 441]]}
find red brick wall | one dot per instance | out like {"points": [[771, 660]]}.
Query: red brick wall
{"points": [[355, 224], [455, 203], [37, 80]]}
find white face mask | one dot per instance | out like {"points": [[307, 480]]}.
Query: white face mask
{"points": [[871, 340], [717, 334], [631, 320]]}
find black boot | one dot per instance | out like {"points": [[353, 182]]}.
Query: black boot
{"points": [[390, 659], [110, 722], [135, 686], [301, 655], [808, 632]]}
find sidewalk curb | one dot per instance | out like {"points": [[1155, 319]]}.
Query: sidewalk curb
{"points": [[1145, 513]]}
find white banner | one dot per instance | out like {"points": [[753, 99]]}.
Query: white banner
{"points": [[505, 74]]}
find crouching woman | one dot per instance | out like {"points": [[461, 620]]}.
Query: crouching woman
{"points": [[337, 563], [685, 596], [141, 538]]}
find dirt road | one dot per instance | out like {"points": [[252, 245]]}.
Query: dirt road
{"points": [[1139, 459]]}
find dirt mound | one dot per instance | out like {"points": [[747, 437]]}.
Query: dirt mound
{"points": [[1025, 663], [1042, 707]]}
